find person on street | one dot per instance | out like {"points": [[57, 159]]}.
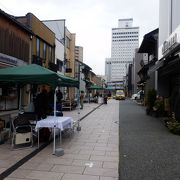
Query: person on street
{"points": [[59, 96], [42, 104], [105, 99], [51, 100]]}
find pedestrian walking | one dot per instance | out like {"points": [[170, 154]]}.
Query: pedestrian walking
{"points": [[42, 103], [59, 96]]}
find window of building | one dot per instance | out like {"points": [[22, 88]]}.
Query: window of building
{"points": [[67, 42], [8, 97], [44, 50], [38, 47], [50, 53]]}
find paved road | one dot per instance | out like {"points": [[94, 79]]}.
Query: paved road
{"points": [[147, 150]]}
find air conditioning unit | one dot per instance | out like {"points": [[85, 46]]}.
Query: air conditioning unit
{"points": [[68, 70]]}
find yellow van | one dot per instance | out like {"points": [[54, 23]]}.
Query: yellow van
{"points": [[120, 95]]}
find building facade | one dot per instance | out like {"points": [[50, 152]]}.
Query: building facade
{"points": [[169, 47], [70, 41], [147, 73], [15, 49], [80, 68], [43, 40], [125, 39], [168, 18], [15, 41], [64, 51], [58, 27], [42, 50], [138, 57]]}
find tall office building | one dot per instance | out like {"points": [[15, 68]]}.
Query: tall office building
{"points": [[125, 39]]}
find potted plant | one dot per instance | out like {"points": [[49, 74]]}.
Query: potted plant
{"points": [[173, 125], [150, 100], [158, 107]]}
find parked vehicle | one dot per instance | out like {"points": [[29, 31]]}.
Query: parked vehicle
{"points": [[120, 95], [137, 96]]}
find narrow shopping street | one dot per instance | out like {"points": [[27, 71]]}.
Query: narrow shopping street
{"points": [[148, 151], [90, 90]]}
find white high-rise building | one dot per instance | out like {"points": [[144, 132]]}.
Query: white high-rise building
{"points": [[125, 39]]}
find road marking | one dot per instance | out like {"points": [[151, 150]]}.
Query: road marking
{"points": [[89, 164]]}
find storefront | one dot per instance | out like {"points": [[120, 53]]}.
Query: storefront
{"points": [[169, 72], [9, 93], [8, 61], [147, 73]]}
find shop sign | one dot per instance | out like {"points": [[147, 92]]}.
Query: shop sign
{"points": [[169, 44], [10, 60], [115, 83]]}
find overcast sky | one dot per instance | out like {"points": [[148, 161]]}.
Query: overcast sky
{"points": [[91, 20]]}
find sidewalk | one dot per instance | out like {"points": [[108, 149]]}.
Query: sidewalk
{"points": [[91, 154]]}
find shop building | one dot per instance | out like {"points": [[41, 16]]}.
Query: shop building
{"points": [[42, 51], [168, 71], [139, 60], [147, 73], [168, 65], [43, 41], [15, 41], [15, 50], [58, 27]]}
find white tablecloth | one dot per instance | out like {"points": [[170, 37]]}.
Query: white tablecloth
{"points": [[55, 121]]}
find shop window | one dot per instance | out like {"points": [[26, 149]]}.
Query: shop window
{"points": [[8, 98], [50, 53], [38, 47], [44, 51]]}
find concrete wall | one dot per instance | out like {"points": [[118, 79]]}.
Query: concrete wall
{"points": [[168, 18]]}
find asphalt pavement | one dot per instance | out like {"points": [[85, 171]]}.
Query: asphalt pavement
{"points": [[148, 151]]}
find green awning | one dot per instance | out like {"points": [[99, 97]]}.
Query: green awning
{"points": [[68, 81], [34, 74], [110, 88], [96, 87]]}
